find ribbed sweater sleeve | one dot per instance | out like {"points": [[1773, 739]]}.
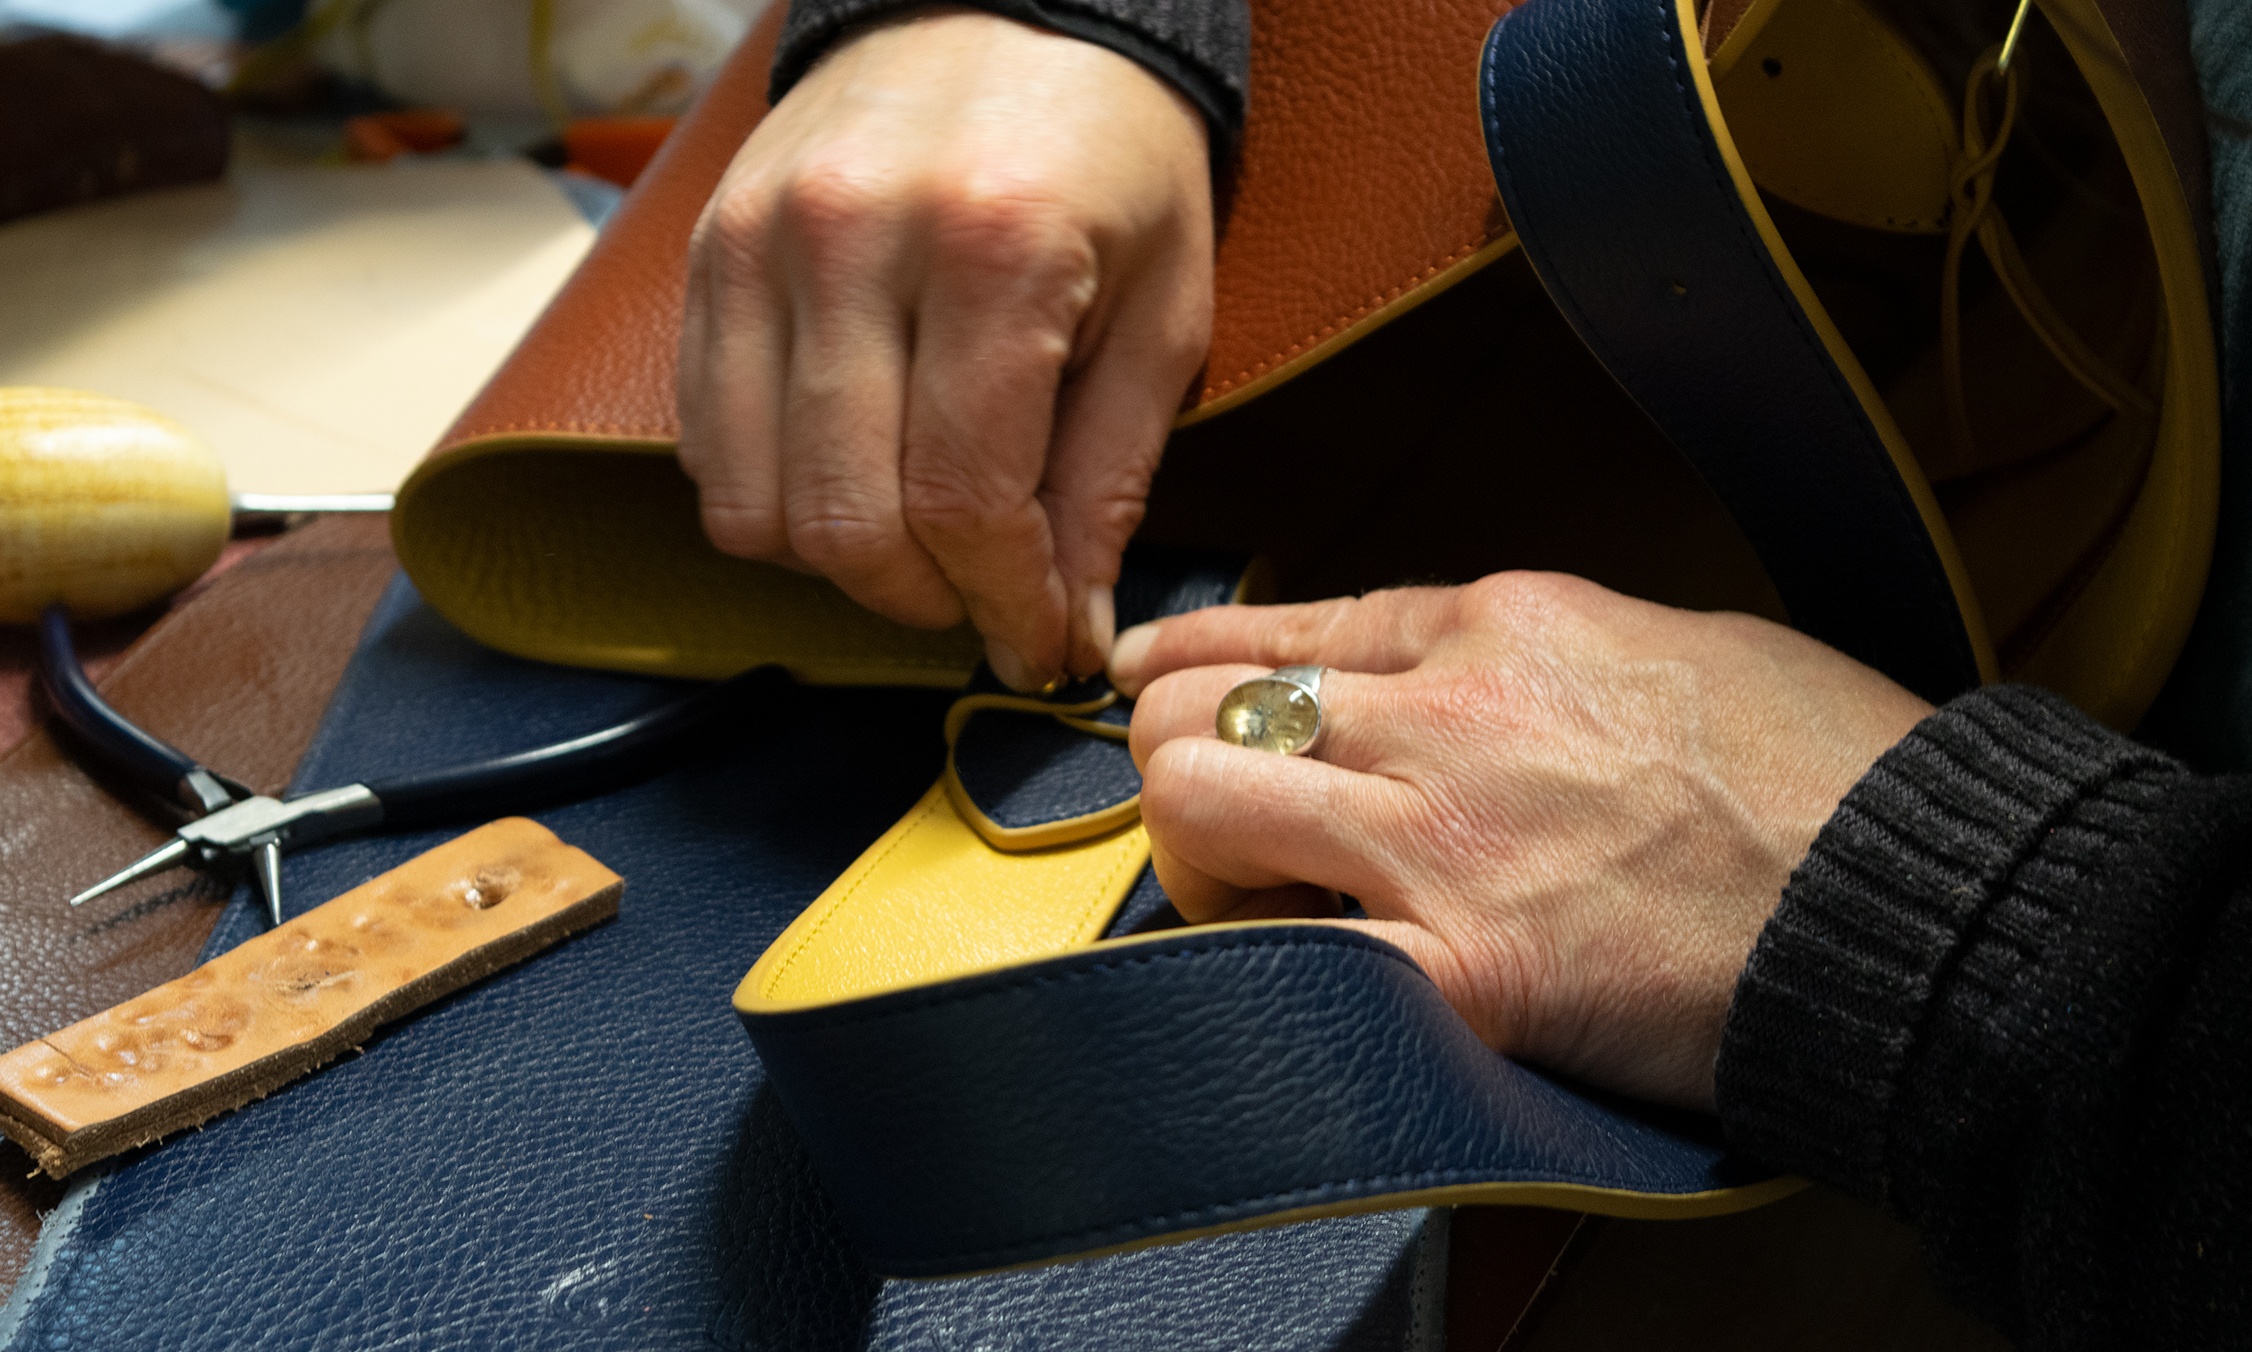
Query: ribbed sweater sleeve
{"points": [[2008, 995], [1202, 47]]}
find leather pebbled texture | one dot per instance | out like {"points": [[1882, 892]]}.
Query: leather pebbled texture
{"points": [[1611, 172], [1025, 769], [237, 676], [1360, 181], [582, 1151], [1040, 1110]]}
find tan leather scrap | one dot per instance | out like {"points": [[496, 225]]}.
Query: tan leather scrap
{"points": [[295, 997]]}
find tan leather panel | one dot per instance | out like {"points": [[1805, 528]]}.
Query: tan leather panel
{"points": [[238, 677], [599, 361], [1364, 189], [1363, 179], [296, 996]]}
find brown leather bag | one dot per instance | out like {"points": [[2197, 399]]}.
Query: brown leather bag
{"points": [[1457, 424]]}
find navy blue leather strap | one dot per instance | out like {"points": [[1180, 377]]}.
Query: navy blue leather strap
{"points": [[1187, 1082], [583, 1152], [1612, 174], [1183, 1081]]}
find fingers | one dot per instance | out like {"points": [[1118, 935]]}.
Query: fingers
{"points": [[1007, 287], [943, 221], [842, 243], [1367, 721], [1114, 417], [732, 363], [1225, 820], [1385, 631]]}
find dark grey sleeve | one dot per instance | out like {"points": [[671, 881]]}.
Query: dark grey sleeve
{"points": [[1202, 47], [2008, 995]]}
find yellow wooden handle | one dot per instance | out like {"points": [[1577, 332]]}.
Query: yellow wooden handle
{"points": [[105, 506]]}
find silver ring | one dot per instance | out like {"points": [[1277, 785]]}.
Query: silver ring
{"points": [[1278, 712]]}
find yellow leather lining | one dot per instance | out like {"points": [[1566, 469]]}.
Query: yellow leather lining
{"points": [[932, 900], [1555, 1196], [1739, 37], [1903, 459], [588, 551], [1833, 111], [2115, 644]]}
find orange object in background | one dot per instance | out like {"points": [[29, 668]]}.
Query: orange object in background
{"points": [[378, 138], [614, 148]]}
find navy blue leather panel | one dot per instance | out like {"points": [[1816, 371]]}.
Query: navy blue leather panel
{"points": [[582, 1152], [1195, 1079], [1614, 181], [1024, 769], [1028, 769], [1160, 582]]}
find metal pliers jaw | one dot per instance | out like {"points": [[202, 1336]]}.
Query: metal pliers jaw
{"points": [[256, 827], [231, 821], [227, 818]]}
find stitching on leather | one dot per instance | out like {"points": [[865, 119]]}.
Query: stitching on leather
{"points": [[915, 824], [1374, 1184], [1903, 506], [607, 429], [1896, 494], [1179, 1219], [1343, 322], [844, 1015]]}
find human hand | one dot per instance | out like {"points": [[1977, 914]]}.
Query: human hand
{"points": [[941, 311], [1573, 809]]}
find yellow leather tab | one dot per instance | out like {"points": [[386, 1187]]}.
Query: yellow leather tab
{"points": [[931, 901], [589, 552], [1833, 111]]}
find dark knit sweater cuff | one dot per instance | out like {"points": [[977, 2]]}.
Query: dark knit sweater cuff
{"points": [[1923, 900], [1200, 47]]}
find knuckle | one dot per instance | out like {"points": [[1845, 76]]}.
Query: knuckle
{"points": [[1307, 630], [836, 541], [979, 219], [981, 227], [944, 505], [948, 503], [1522, 599], [736, 224], [745, 530], [828, 194]]}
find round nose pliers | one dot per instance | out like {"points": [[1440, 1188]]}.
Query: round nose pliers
{"points": [[229, 821]]}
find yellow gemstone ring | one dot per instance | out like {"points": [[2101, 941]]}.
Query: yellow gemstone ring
{"points": [[1278, 712]]}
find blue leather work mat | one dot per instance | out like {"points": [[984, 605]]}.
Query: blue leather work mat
{"points": [[580, 1152]]}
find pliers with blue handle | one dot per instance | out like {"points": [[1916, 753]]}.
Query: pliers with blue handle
{"points": [[229, 821]]}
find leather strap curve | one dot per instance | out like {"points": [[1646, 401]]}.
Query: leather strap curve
{"points": [[1191, 1082], [1633, 207], [1001, 1047]]}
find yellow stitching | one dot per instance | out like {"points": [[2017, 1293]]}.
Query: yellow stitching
{"points": [[914, 824], [1348, 320]]}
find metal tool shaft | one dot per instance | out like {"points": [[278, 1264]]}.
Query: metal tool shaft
{"points": [[167, 855]]}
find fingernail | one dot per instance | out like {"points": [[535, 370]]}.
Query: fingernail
{"points": [[1012, 669], [1127, 656], [1102, 621]]}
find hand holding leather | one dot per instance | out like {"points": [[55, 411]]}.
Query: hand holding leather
{"points": [[1573, 809], [940, 313]]}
